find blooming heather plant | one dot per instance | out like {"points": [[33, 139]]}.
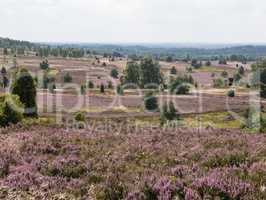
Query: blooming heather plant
{"points": [[149, 164]]}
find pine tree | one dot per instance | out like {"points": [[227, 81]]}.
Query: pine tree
{"points": [[24, 86]]}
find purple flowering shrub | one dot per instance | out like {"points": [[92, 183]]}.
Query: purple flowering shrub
{"points": [[151, 164]]}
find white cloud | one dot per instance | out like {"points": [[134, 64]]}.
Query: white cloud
{"points": [[134, 20]]}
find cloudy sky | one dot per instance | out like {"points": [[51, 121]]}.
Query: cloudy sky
{"points": [[123, 21]]}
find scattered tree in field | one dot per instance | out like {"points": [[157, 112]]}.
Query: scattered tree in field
{"points": [[24, 86], [119, 90], [218, 83], [149, 72], [189, 69], [15, 64], [169, 59], [83, 89], [237, 77], [181, 85], [224, 74], [5, 82], [46, 80], [5, 52], [102, 89], [196, 64], [11, 110], [80, 116], [259, 77], [231, 93], [168, 113], [208, 63], [150, 102], [114, 73], [90, 85], [173, 71], [241, 71], [222, 61], [3, 71], [110, 85], [44, 65], [67, 78], [132, 73], [51, 87]]}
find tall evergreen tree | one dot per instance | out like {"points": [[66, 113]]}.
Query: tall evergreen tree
{"points": [[149, 72], [24, 86], [132, 73]]}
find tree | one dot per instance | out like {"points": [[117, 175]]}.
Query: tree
{"points": [[237, 77], [222, 61], [90, 85], [149, 72], [241, 71], [83, 89], [3, 71], [150, 102], [24, 86], [169, 59], [114, 73], [231, 93], [5, 52], [181, 85], [110, 85], [119, 90], [168, 113], [5, 82], [52, 87], [67, 78], [102, 88], [132, 73], [208, 63], [196, 64], [173, 71], [44, 65], [218, 83], [224, 74]]}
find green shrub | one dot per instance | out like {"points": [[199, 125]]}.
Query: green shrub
{"points": [[114, 73], [183, 89], [67, 78], [224, 74], [44, 65], [231, 93], [181, 84], [218, 83], [80, 116], [11, 110], [150, 102]]}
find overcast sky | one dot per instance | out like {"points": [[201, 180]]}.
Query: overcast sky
{"points": [[123, 21]]}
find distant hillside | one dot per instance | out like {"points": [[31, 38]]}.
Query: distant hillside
{"points": [[10, 43], [246, 52]]}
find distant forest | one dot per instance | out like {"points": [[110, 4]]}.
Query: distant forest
{"points": [[236, 53]]}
